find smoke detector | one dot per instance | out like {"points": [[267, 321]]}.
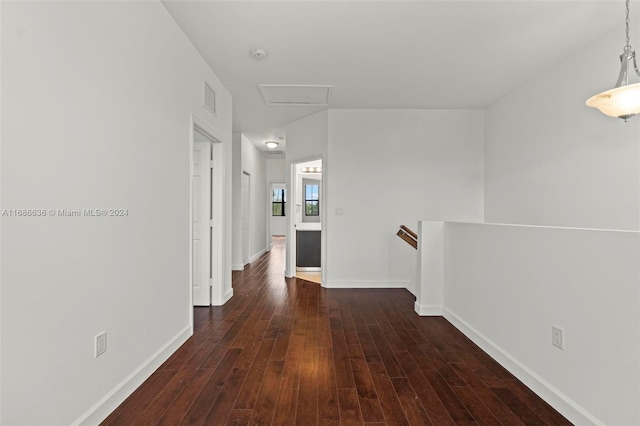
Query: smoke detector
{"points": [[258, 54]]}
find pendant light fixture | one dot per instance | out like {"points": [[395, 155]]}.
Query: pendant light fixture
{"points": [[624, 100]]}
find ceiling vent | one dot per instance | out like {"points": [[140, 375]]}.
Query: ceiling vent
{"points": [[295, 94], [209, 99], [272, 153]]}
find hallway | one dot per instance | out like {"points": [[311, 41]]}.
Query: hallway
{"points": [[290, 352]]}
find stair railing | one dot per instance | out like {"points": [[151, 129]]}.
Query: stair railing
{"points": [[408, 236]]}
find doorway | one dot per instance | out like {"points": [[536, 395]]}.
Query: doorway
{"points": [[207, 194], [305, 251]]}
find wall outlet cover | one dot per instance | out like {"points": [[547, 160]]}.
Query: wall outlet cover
{"points": [[100, 344], [557, 337]]}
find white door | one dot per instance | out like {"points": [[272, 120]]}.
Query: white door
{"points": [[202, 224], [245, 218]]}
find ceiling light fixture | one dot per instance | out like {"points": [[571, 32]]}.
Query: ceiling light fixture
{"points": [[271, 144], [623, 101], [311, 170]]}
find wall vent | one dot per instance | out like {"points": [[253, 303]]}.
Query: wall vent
{"points": [[209, 99]]}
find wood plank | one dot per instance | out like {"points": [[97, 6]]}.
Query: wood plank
{"points": [[349, 407], [428, 397], [165, 397], [411, 404], [456, 408], [238, 418], [386, 354], [265, 405], [140, 399], [328, 412], [474, 405], [307, 407], [223, 406], [525, 414], [366, 391], [287, 401], [253, 382], [207, 397], [393, 411]]}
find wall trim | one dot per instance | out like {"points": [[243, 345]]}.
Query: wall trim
{"points": [[308, 269], [558, 400], [428, 310], [125, 388], [237, 267], [228, 295], [366, 284]]}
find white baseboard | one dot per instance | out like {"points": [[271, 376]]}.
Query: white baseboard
{"points": [[228, 295], [561, 402], [428, 310], [308, 269], [124, 389], [366, 284], [257, 255], [237, 267]]}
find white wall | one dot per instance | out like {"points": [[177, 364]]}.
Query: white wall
{"points": [[505, 286], [96, 106], [247, 158], [236, 249], [393, 167], [550, 160], [254, 163], [276, 174], [306, 140]]}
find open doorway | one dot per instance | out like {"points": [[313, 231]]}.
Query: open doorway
{"points": [[306, 220], [207, 192]]}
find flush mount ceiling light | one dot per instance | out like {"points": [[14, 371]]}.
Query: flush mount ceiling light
{"points": [[623, 101], [271, 144], [311, 170]]}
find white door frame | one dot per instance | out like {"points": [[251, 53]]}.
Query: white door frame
{"points": [[245, 210], [218, 202]]}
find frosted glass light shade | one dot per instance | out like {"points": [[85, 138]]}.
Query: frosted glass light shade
{"points": [[621, 102]]}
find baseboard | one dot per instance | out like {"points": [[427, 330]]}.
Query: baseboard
{"points": [[237, 267], [124, 389], [308, 269], [561, 402], [257, 255], [366, 284], [228, 295], [428, 310]]}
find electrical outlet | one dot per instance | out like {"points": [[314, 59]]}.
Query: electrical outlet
{"points": [[557, 337], [100, 344]]}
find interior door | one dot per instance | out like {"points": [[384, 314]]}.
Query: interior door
{"points": [[245, 217], [202, 224]]}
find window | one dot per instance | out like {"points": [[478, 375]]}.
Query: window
{"points": [[278, 200], [311, 200]]}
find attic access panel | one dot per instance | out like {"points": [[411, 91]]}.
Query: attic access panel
{"points": [[295, 94]]}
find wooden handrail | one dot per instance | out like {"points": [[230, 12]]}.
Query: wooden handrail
{"points": [[408, 236], [409, 231]]}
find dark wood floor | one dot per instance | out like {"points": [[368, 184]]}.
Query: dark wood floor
{"points": [[290, 352]]}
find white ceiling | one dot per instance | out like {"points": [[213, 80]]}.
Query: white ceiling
{"points": [[386, 54]]}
